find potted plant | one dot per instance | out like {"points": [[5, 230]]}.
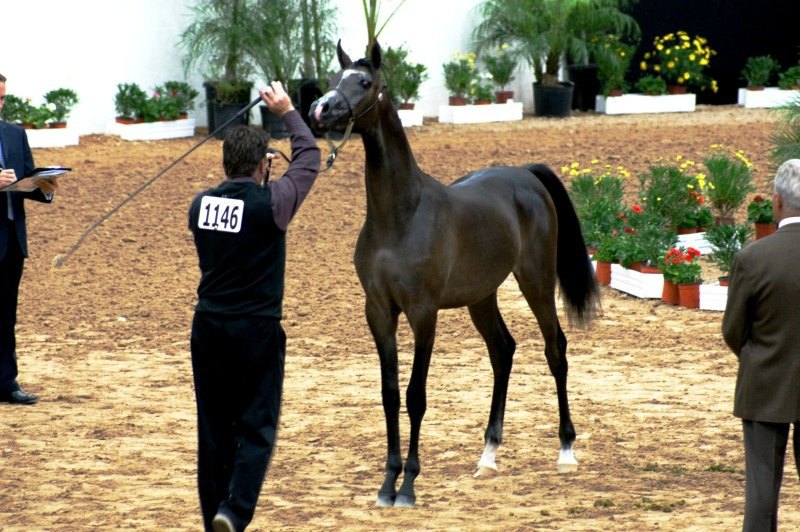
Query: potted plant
{"points": [[681, 61], [482, 89], [644, 239], [217, 38], [785, 139], [544, 31], [597, 193], [500, 63], [725, 240], [683, 269], [14, 109], [606, 254], [665, 190], [128, 102], [651, 85], [790, 78], [459, 75], [613, 60], [183, 96], [403, 78], [758, 71], [62, 101], [729, 181], [761, 215]]}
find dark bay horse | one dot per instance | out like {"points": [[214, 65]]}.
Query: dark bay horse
{"points": [[425, 246]]}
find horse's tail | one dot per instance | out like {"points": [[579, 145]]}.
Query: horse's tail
{"points": [[579, 289]]}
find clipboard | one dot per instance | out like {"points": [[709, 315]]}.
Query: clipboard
{"points": [[29, 184]]}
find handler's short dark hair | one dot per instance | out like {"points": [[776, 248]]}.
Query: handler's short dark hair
{"points": [[242, 150], [2, 78]]}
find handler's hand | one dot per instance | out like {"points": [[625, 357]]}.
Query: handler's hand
{"points": [[7, 177], [48, 186], [276, 98]]}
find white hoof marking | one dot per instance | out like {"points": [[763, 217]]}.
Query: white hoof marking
{"points": [[566, 461]]}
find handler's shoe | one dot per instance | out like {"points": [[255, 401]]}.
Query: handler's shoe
{"points": [[222, 523]]}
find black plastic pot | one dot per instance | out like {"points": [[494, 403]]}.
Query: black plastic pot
{"points": [[587, 85], [303, 93], [272, 123], [219, 113], [552, 101]]}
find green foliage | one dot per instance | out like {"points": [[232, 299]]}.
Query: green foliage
{"points": [[613, 60], [682, 267], [182, 93], [645, 237], [14, 109], [607, 249], [759, 211], [758, 70], [665, 191], [547, 31], [729, 179], [786, 137], [460, 73], [726, 240], [129, 100], [482, 88], [500, 64], [790, 78], [403, 78], [165, 102], [681, 59], [652, 85], [62, 100], [372, 16], [598, 203]]}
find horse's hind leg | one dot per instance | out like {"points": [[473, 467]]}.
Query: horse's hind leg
{"points": [[541, 299], [487, 319]]}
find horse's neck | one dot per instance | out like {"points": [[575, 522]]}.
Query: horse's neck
{"points": [[394, 182]]}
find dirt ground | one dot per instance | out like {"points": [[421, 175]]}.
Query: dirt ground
{"points": [[103, 340]]}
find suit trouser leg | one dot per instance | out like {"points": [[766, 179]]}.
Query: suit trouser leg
{"points": [[10, 276], [764, 453]]}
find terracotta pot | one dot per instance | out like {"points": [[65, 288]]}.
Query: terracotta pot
{"points": [[635, 266], [687, 230], [765, 229], [677, 89], [503, 96], [723, 281], [57, 125], [649, 269], [689, 295], [615, 92], [669, 293], [602, 273], [407, 106], [457, 100], [756, 88], [482, 102]]}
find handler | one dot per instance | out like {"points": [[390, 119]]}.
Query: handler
{"points": [[760, 325], [237, 340]]}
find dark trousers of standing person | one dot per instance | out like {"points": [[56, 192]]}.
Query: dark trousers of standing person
{"points": [[237, 364], [10, 277], [764, 454]]}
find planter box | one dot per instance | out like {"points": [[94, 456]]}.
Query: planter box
{"points": [[642, 103], [643, 285], [410, 117], [52, 138], [769, 97], [713, 296], [697, 241], [168, 129], [474, 114]]}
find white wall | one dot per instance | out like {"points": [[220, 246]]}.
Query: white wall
{"points": [[92, 45]]}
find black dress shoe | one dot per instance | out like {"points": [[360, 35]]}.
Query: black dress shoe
{"points": [[18, 397]]}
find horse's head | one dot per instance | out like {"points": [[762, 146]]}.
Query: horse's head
{"points": [[353, 93]]}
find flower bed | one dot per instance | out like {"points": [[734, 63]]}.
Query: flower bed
{"points": [[167, 129], [474, 114], [769, 97], [52, 138], [643, 103]]}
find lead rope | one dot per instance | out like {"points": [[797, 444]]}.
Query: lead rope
{"points": [[348, 130]]}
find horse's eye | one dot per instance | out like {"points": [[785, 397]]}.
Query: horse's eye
{"points": [[365, 83]]}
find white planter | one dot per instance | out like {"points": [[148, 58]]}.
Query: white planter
{"points": [[168, 129], [410, 117], [474, 114], [713, 296], [643, 103], [697, 241], [643, 285], [52, 138], [769, 97]]}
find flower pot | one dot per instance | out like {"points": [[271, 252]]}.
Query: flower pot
{"points": [[457, 100], [407, 106], [677, 89], [552, 101], [669, 293], [602, 273], [756, 88], [764, 229], [635, 266], [272, 123], [57, 125], [503, 96], [687, 230], [723, 281], [649, 269], [482, 102], [689, 295], [587, 85], [616, 92]]}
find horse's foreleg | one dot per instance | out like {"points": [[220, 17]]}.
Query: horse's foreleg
{"points": [[424, 328], [501, 345], [383, 326]]}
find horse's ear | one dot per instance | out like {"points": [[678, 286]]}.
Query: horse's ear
{"points": [[344, 59], [376, 55]]}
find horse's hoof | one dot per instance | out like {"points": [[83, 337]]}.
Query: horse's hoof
{"points": [[485, 471], [404, 501], [385, 500], [567, 468], [566, 461]]}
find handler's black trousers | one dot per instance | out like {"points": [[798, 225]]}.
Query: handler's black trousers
{"points": [[10, 276], [764, 452], [238, 377]]}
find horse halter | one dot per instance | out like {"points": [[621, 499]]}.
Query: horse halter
{"points": [[350, 123]]}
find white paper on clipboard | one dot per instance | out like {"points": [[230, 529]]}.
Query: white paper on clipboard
{"points": [[29, 184]]}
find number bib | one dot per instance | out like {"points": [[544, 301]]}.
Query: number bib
{"points": [[220, 214]]}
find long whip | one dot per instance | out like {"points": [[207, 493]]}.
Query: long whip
{"points": [[59, 260]]}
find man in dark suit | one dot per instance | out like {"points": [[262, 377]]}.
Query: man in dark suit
{"points": [[16, 162], [762, 326]]}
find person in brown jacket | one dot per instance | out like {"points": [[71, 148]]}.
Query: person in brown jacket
{"points": [[761, 325]]}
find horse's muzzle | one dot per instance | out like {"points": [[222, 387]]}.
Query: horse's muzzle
{"points": [[329, 112]]}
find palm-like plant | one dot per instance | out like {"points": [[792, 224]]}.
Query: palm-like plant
{"points": [[786, 137]]}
